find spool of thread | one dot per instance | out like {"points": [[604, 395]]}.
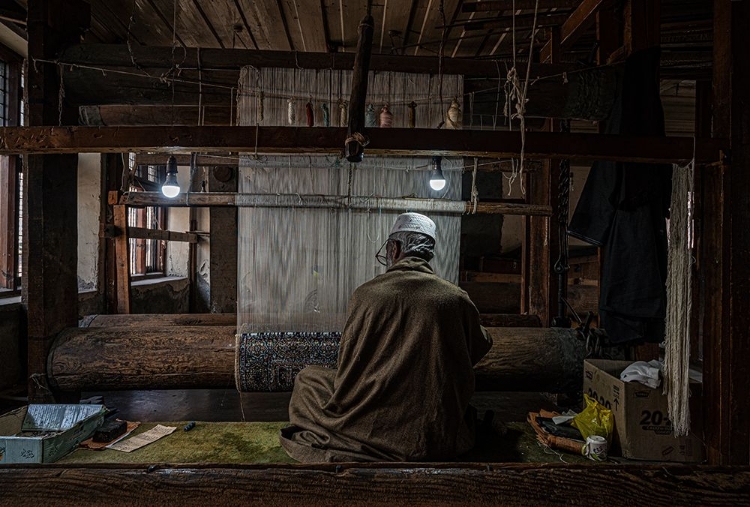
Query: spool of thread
{"points": [[343, 113], [310, 114], [595, 448], [453, 116], [412, 114], [326, 115], [386, 118], [370, 119], [291, 111]]}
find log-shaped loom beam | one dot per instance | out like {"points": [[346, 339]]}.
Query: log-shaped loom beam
{"points": [[360, 203], [393, 141], [200, 356]]}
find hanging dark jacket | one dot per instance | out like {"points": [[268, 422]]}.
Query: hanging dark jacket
{"points": [[623, 209]]}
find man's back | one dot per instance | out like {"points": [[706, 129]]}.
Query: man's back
{"points": [[405, 377]]}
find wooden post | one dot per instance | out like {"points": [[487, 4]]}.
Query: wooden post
{"points": [[642, 31], [726, 246], [112, 169], [539, 289], [223, 269], [122, 256], [702, 130], [354, 150], [50, 253]]}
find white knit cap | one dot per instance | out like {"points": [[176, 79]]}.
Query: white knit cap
{"points": [[414, 222]]}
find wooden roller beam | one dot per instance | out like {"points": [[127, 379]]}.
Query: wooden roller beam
{"points": [[182, 357], [229, 319], [532, 359], [160, 320], [175, 357]]}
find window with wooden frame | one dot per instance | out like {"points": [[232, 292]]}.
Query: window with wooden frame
{"points": [[147, 256], [11, 178]]}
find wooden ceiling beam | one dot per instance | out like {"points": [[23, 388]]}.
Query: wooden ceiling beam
{"points": [[507, 5], [579, 21], [525, 21], [398, 142]]}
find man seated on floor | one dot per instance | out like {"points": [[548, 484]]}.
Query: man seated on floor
{"points": [[404, 379]]}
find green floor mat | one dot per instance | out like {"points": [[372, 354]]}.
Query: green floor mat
{"points": [[208, 442], [258, 442]]}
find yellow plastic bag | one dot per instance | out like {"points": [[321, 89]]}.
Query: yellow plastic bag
{"points": [[595, 419]]}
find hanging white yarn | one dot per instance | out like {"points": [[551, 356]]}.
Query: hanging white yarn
{"points": [[291, 112], [343, 114], [679, 301], [453, 116]]}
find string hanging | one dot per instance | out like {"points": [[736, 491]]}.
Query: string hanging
{"points": [[453, 116], [386, 117], [259, 98], [474, 190], [370, 118], [412, 114], [310, 115], [343, 113], [516, 95], [60, 96], [326, 115]]}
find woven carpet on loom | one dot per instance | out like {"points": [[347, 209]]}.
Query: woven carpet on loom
{"points": [[269, 361]]}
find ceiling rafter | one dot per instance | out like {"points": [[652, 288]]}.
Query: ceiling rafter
{"points": [[577, 23], [245, 23], [507, 5], [208, 23], [286, 25], [164, 20]]}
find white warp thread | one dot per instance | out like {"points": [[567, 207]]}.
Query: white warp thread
{"points": [[679, 301]]}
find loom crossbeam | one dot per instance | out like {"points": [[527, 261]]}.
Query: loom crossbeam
{"points": [[183, 357]]}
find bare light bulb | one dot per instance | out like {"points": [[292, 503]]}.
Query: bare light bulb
{"points": [[171, 188], [437, 180]]}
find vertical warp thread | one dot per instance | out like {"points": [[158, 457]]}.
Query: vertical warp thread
{"points": [[298, 267]]}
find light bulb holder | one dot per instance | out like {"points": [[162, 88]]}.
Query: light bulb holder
{"points": [[437, 179], [171, 187], [172, 165]]}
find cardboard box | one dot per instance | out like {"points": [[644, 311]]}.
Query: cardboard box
{"points": [[46, 433], [642, 426]]}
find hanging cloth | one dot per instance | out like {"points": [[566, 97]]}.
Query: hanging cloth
{"points": [[623, 209]]}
